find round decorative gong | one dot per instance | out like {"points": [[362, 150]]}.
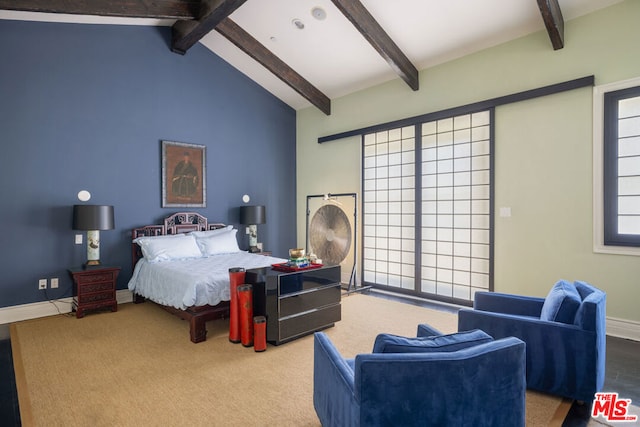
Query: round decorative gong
{"points": [[330, 234]]}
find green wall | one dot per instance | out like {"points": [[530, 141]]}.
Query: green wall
{"points": [[543, 150]]}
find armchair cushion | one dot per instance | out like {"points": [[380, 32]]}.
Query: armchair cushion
{"points": [[561, 303], [426, 330], [388, 343], [591, 309]]}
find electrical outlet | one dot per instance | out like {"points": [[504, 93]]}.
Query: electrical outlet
{"points": [[54, 283], [78, 239], [42, 284]]}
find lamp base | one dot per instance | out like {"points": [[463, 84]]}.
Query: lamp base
{"points": [[93, 248], [92, 263], [254, 249]]}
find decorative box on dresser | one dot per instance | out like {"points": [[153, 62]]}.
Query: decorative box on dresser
{"points": [[94, 288], [296, 303]]}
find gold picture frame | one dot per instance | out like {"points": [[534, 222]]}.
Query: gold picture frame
{"points": [[184, 178]]}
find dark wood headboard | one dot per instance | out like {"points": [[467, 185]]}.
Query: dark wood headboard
{"points": [[181, 222]]}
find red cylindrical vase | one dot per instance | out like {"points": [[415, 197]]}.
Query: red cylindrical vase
{"points": [[236, 278], [245, 304], [259, 333]]}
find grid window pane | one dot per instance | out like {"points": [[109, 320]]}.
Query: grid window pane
{"points": [[456, 234], [454, 213], [622, 167], [389, 167]]}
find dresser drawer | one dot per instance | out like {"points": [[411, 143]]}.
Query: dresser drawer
{"points": [[90, 288], [108, 276], [295, 326], [305, 301], [91, 298]]}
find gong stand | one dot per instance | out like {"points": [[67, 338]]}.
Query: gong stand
{"points": [[326, 233]]}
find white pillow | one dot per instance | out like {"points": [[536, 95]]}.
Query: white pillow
{"points": [[167, 248], [220, 243], [208, 233]]}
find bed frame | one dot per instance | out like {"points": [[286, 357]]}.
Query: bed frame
{"points": [[182, 222]]}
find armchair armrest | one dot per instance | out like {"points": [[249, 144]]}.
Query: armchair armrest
{"points": [[513, 324], [508, 304], [333, 384]]}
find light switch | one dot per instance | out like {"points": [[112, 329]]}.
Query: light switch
{"points": [[505, 212], [78, 239]]}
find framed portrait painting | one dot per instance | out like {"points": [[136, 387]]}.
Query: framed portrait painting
{"points": [[183, 175]]}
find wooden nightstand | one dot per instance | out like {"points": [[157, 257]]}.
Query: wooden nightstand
{"points": [[94, 288]]}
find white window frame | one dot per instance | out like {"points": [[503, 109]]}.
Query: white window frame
{"points": [[598, 169]]}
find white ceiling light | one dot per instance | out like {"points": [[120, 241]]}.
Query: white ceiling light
{"points": [[318, 13]]}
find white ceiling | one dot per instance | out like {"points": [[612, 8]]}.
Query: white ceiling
{"points": [[333, 56]]}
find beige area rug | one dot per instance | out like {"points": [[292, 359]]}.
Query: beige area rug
{"points": [[137, 367]]}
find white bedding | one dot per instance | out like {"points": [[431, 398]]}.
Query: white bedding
{"points": [[192, 282]]}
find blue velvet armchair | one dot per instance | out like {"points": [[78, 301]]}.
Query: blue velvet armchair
{"points": [[480, 385], [564, 334]]}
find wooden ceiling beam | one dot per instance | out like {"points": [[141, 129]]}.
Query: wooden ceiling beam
{"points": [[371, 30], [252, 47], [185, 34], [158, 9], [553, 20]]}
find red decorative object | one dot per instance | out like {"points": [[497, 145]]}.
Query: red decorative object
{"points": [[236, 278], [289, 269], [259, 333], [245, 303]]}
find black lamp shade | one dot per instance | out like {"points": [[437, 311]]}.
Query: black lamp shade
{"points": [[93, 217], [251, 215]]}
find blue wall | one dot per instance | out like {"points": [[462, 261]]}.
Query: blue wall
{"points": [[86, 107]]}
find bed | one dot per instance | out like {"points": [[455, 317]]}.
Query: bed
{"points": [[183, 266]]}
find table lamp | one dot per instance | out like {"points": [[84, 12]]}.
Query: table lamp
{"points": [[93, 218], [252, 216]]}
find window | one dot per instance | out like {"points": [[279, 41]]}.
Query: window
{"points": [[456, 205], [622, 167], [617, 149], [389, 208], [427, 206]]}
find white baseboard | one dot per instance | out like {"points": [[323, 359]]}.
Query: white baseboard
{"points": [[623, 328], [18, 313]]}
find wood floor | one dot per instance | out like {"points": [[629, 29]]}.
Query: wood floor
{"points": [[622, 374], [9, 409]]}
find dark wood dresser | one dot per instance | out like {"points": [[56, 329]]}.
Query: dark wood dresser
{"points": [[298, 303], [94, 288]]}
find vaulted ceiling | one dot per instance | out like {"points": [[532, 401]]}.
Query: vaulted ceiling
{"points": [[307, 52]]}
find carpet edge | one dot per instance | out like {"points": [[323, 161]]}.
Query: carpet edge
{"points": [[560, 415]]}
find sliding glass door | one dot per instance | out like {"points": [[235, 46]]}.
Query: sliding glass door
{"points": [[427, 207], [389, 213]]}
